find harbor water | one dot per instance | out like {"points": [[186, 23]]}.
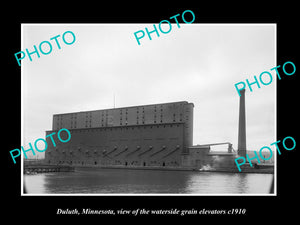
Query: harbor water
{"points": [[129, 181]]}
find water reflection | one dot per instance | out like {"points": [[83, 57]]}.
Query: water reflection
{"points": [[117, 181], [229, 183]]}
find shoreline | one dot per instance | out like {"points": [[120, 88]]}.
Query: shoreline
{"points": [[44, 168]]}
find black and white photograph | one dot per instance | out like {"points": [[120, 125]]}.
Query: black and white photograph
{"points": [[159, 117]]}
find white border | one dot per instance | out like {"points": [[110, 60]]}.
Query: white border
{"points": [[149, 194]]}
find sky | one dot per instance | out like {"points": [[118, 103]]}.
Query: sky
{"points": [[198, 63]]}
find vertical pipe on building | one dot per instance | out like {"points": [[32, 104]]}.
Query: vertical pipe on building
{"points": [[242, 149]]}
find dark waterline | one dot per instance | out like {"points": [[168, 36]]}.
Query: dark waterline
{"points": [[127, 181]]}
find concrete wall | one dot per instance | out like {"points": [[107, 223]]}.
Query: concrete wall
{"points": [[147, 135], [175, 112], [139, 145], [198, 157], [188, 126]]}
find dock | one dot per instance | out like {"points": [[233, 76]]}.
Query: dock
{"points": [[33, 169]]}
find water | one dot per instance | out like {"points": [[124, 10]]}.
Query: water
{"points": [[126, 181]]}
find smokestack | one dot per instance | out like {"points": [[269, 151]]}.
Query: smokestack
{"points": [[242, 149]]}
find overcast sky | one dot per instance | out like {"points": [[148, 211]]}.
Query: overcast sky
{"points": [[198, 63]]}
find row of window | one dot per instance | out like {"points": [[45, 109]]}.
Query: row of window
{"points": [[138, 108], [118, 128], [109, 121], [88, 124], [89, 117], [89, 114], [124, 128], [117, 162]]}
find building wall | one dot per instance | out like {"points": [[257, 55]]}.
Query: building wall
{"points": [[198, 157], [148, 135], [203, 159], [188, 113], [175, 112], [142, 145]]}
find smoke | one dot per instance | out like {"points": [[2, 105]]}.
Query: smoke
{"points": [[206, 168], [217, 158]]}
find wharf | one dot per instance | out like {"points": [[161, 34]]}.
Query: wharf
{"points": [[30, 169], [262, 169]]}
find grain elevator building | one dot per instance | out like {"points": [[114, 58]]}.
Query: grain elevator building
{"points": [[144, 136]]}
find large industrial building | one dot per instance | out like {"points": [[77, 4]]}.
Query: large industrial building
{"points": [[140, 136], [147, 136]]}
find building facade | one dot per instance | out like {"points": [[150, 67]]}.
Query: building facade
{"points": [[147, 135]]}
